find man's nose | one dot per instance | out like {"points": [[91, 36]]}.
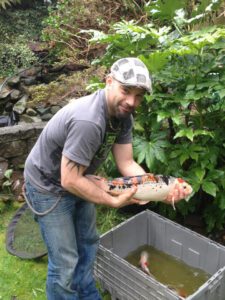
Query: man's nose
{"points": [[131, 100]]}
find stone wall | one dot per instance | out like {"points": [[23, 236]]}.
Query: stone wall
{"points": [[16, 142]]}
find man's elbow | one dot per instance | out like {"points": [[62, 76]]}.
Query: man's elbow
{"points": [[66, 183]]}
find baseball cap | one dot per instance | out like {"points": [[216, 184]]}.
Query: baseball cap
{"points": [[132, 71]]}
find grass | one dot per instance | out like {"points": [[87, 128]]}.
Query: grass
{"points": [[25, 279], [19, 279]]}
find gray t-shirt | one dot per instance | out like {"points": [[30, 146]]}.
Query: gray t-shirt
{"points": [[82, 132]]}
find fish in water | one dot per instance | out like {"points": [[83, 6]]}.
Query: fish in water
{"points": [[144, 262], [150, 187], [144, 265], [179, 291]]}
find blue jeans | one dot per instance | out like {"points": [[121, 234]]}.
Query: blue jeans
{"points": [[69, 232]]}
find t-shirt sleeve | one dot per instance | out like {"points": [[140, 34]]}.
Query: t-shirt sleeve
{"points": [[82, 141]]}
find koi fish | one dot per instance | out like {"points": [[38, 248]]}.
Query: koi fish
{"points": [[179, 291], [144, 265], [144, 262], [150, 187]]}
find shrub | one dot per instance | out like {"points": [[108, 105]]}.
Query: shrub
{"points": [[179, 128], [5, 3], [17, 28], [15, 56]]}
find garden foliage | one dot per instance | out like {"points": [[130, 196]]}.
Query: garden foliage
{"points": [[179, 129], [18, 27], [68, 17], [5, 3]]}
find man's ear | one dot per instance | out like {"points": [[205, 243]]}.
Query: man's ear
{"points": [[109, 80]]}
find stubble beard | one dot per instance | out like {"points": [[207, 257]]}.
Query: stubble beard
{"points": [[122, 114]]}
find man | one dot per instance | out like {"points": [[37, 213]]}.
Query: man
{"points": [[73, 144]]}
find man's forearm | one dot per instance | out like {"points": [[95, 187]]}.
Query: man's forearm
{"points": [[73, 180], [131, 169], [86, 189]]}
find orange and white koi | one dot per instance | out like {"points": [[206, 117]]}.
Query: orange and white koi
{"points": [[150, 187], [144, 262], [144, 265]]}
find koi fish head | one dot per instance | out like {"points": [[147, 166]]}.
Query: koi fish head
{"points": [[188, 189]]}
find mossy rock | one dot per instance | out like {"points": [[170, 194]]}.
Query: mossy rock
{"points": [[64, 88]]}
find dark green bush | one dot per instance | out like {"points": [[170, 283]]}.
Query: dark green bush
{"points": [[179, 129]]}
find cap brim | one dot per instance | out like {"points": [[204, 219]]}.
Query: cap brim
{"points": [[134, 85]]}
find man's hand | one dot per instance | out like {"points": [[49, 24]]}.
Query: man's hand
{"points": [[125, 198], [179, 191]]}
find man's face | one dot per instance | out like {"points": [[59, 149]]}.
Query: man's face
{"points": [[122, 100]]}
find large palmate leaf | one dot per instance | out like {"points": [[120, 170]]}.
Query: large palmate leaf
{"points": [[149, 152], [155, 61]]}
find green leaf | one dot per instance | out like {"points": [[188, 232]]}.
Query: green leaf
{"points": [[215, 174], [175, 153], [203, 132], [183, 158], [141, 157], [155, 61], [7, 183], [149, 98], [162, 115], [210, 188], [160, 155], [177, 119], [97, 36], [138, 127], [195, 185], [221, 93], [8, 173], [221, 201], [188, 133], [149, 152], [164, 9], [194, 155], [190, 87], [200, 173], [150, 159]]}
